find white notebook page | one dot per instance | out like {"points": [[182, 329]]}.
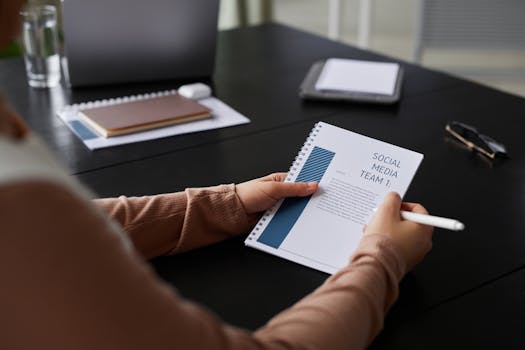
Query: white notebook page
{"points": [[358, 76]]}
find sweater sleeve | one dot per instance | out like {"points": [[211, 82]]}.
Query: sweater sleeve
{"points": [[348, 310], [70, 280], [177, 222]]}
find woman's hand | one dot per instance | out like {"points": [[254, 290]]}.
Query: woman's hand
{"points": [[413, 240], [261, 194]]}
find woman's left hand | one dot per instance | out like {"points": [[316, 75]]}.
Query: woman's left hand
{"points": [[262, 193]]}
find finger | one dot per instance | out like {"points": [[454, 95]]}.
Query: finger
{"points": [[279, 176], [415, 207], [21, 129], [291, 189], [10, 123], [391, 205]]}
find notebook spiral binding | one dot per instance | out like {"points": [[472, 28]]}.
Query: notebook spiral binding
{"points": [[118, 100], [305, 149]]}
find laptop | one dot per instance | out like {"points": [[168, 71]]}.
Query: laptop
{"points": [[118, 41]]}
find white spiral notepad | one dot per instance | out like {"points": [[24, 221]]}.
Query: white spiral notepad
{"points": [[354, 173], [222, 116]]}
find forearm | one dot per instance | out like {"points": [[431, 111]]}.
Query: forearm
{"points": [[177, 222]]}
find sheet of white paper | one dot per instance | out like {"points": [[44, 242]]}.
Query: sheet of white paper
{"points": [[222, 116], [358, 76], [355, 173]]}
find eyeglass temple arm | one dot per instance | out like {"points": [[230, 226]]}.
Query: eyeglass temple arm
{"points": [[468, 143]]}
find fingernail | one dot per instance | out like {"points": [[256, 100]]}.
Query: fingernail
{"points": [[312, 185]]}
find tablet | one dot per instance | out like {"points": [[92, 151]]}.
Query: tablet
{"points": [[353, 80]]}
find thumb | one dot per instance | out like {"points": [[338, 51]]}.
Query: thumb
{"points": [[390, 206], [291, 189]]}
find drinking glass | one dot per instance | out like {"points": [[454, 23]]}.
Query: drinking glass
{"points": [[40, 43]]}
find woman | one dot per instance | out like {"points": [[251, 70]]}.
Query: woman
{"points": [[74, 275]]}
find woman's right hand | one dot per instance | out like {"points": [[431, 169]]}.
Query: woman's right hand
{"points": [[10, 123], [412, 240]]}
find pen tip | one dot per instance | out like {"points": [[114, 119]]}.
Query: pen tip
{"points": [[459, 226]]}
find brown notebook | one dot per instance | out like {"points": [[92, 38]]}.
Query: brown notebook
{"points": [[145, 114]]}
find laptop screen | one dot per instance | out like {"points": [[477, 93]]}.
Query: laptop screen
{"points": [[117, 41]]}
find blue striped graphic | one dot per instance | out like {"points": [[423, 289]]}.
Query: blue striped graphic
{"points": [[291, 208]]}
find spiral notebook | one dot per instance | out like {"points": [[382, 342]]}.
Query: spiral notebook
{"points": [[354, 173], [222, 116]]}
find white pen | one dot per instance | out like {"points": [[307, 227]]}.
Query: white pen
{"points": [[449, 224]]}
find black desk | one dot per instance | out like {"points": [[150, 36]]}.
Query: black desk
{"points": [[470, 291]]}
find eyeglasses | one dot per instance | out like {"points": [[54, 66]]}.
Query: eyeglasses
{"points": [[470, 136]]}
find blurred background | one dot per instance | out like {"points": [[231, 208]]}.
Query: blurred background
{"points": [[481, 40]]}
